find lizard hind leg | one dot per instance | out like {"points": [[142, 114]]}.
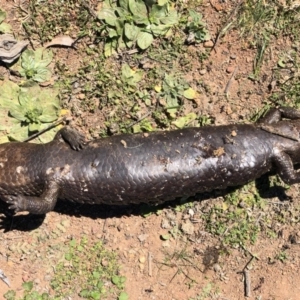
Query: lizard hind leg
{"points": [[275, 115], [35, 205]]}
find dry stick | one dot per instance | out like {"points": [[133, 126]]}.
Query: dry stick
{"points": [[44, 130], [247, 283], [226, 26], [246, 273], [139, 120], [230, 81], [150, 264]]}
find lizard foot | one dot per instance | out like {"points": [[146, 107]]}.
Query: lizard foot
{"points": [[15, 203]]}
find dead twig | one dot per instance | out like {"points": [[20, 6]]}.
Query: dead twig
{"points": [[230, 81], [247, 283], [46, 129], [150, 258], [226, 26], [139, 120]]}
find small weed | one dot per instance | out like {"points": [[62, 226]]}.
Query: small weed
{"points": [[208, 292], [88, 270], [282, 256], [26, 110], [4, 27], [33, 64], [233, 220], [196, 28], [97, 268], [183, 262], [130, 22]]}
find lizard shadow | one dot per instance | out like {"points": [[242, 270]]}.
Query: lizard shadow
{"points": [[30, 222]]}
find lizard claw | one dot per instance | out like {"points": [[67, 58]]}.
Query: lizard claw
{"points": [[14, 202]]}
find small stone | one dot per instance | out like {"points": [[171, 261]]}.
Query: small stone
{"points": [[81, 96], [165, 224], [191, 212], [142, 237], [120, 227], [166, 244], [142, 259], [230, 69], [104, 262], [188, 227], [208, 44], [217, 268], [232, 56], [203, 71]]}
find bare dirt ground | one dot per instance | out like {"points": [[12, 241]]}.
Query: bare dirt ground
{"points": [[191, 262]]}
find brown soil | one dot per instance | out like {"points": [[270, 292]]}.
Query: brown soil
{"points": [[153, 267]]}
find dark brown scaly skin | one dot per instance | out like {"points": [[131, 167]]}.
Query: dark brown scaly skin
{"points": [[153, 167]]}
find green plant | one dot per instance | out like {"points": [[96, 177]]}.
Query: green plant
{"points": [[4, 27], [196, 28], [26, 110], [29, 293], [172, 90], [282, 256], [34, 64], [97, 268], [130, 22], [233, 220]]}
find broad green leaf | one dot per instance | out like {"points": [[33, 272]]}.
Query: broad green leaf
{"points": [[159, 29], [48, 135], [111, 32], [108, 15], [130, 76], [2, 15], [18, 112], [158, 12], [49, 115], [183, 121], [42, 57], [4, 139], [34, 127], [24, 100], [162, 2], [122, 13], [138, 8], [18, 132], [190, 94], [124, 4], [172, 112], [144, 40], [109, 48], [28, 59], [171, 19], [123, 296], [119, 27], [9, 93], [42, 74], [131, 31], [5, 28]]}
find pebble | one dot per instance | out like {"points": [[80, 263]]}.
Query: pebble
{"points": [[203, 71], [208, 44], [230, 69], [81, 96], [188, 227], [217, 268], [142, 259], [142, 237]]}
